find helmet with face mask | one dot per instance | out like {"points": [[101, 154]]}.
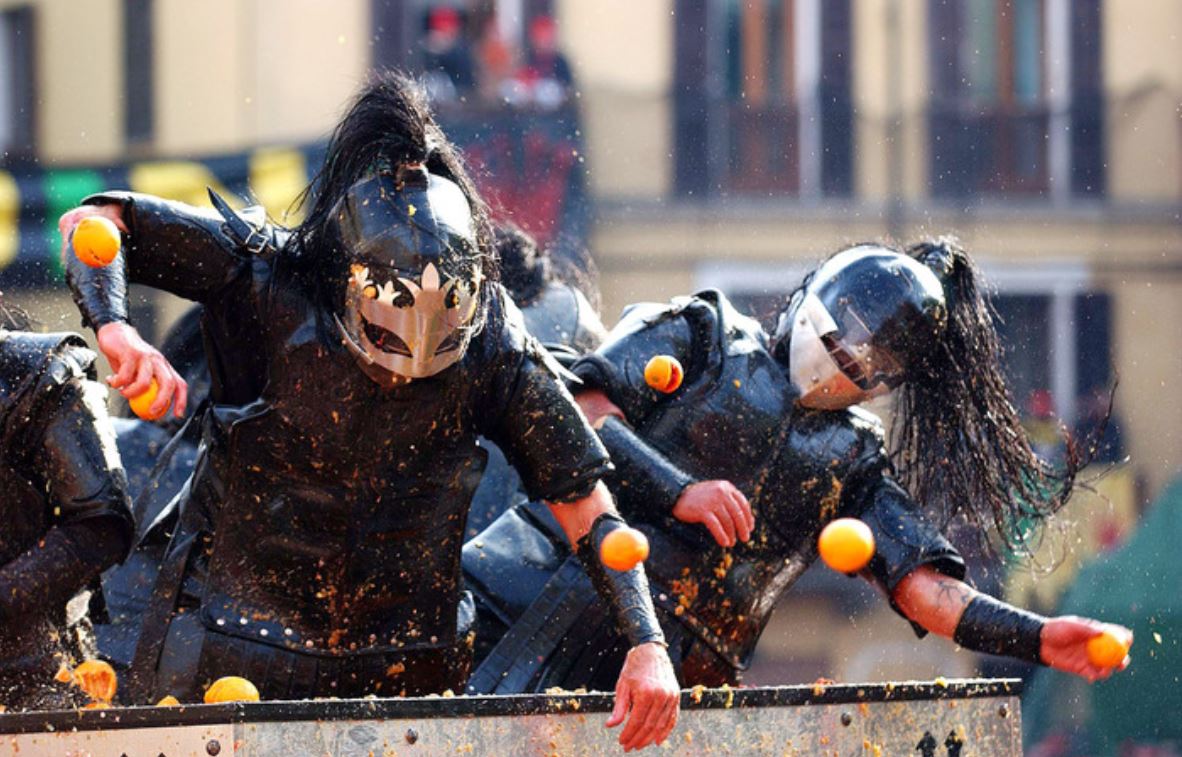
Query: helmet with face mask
{"points": [[854, 331], [412, 294]]}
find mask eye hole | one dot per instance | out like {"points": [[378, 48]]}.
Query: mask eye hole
{"points": [[451, 343], [385, 340]]}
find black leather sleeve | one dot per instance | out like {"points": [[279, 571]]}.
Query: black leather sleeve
{"points": [[642, 474], [169, 246], [532, 417], [77, 464], [626, 592]]}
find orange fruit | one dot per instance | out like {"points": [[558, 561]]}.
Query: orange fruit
{"points": [[664, 373], [96, 241], [97, 679], [142, 405], [1106, 650], [846, 545], [623, 549], [168, 701], [231, 689]]}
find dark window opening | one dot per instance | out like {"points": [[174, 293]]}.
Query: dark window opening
{"points": [[18, 111], [138, 65]]}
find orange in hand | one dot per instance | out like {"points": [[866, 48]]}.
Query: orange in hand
{"points": [[1107, 650], [623, 549], [846, 545], [231, 689], [97, 679], [664, 373], [96, 241], [142, 405]]}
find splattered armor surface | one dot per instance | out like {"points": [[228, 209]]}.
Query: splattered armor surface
{"points": [[63, 500], [734, 418], [327, 513]]}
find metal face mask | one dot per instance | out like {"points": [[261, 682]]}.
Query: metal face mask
{"points": [[867, 314], [411, 302], [410, 328], [836, 366]]}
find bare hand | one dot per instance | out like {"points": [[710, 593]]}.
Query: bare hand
{"points": [[112, 212], [136, 363], [718, 506], [1065, 641], [647, 687]]}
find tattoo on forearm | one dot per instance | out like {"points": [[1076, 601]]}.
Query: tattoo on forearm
{"points": [[953, 594]]}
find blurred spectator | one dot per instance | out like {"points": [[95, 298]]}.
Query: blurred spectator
{"points": [[1042, 426], [447, 64], [1097, 426], [546, 69], [497, 59]]}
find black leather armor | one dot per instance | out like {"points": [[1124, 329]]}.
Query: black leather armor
{"points": [[332, 508], [63, 500]]}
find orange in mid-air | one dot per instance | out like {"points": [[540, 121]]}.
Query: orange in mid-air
{"points": [[97, 679], [1107, 650], [664, 373], [623, 549], [846, 545], [96, 241], [142, 404], [231, 689]]}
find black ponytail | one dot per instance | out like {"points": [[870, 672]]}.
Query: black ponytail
{"points": [[957, 440], [388, 126]]}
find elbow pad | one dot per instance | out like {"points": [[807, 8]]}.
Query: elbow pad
{"points": [[994, 627], [627, 592], [642, 473]]}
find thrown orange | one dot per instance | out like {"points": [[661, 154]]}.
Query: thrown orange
{"points": [[846, 545], [231, 689], [664, 373], [1107, 650], [623, 549], [96, 241]]}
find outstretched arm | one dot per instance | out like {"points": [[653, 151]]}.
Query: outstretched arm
{"points": [[648, 476], [647, 686], [955, 610]]}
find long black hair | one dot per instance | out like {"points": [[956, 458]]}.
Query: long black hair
{"points": [[387, 126], [956, 438]]}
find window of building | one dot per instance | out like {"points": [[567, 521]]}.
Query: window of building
{"points": [[138, 64], [17, 86], [762, 98], [1016, 105]]}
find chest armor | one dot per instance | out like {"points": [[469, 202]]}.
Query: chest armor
{"points": [[342, 519], [737, 421]]}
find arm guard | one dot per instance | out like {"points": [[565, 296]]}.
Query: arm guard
{"points": [[627, 592], [994, 627], [170, 246], [642, 473]]}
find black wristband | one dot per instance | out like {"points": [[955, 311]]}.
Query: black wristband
{"points": [[994, 627], [626, 591], [642, 474]]}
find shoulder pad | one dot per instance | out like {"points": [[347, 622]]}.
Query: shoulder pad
{"points": [[28, 359]]}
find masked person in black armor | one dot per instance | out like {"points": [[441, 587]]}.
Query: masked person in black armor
{"points": [[558, 314], [733, 475], [354, 362], [64, 500]]}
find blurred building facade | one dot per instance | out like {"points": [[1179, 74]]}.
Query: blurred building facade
{"points": [[728, 144]]}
